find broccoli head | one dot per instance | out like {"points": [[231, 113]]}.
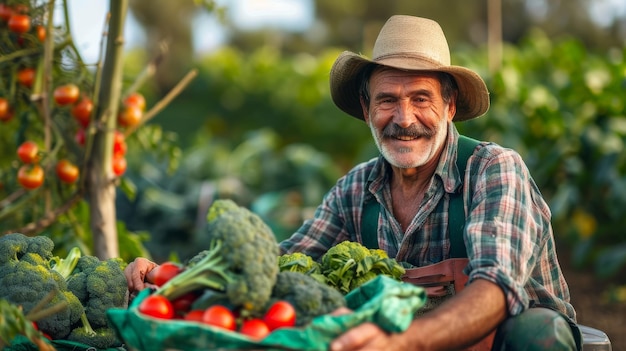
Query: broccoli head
{"points": [[298, 262], [13, 246], [26, 278], [99, 285], [309, 297], [240, 262]]}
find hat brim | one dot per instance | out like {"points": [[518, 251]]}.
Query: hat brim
{"points": [[345, 74]]}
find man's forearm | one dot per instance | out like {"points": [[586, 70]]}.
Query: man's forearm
{"points": [[463, 320]]}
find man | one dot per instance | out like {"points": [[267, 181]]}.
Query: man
{"points": [[410, 96]]}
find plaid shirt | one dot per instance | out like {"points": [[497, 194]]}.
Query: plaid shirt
{"points": [[508, 235]]}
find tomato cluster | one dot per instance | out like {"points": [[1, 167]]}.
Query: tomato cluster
{"points": [[281, 314], [132, 110], [30, 175]]}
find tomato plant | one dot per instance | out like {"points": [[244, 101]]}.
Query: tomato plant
{"points": [[119, 165], [26, 76], [19, 23], [219, 316], [67, 171], [280, 314], [82, 111], [255, 328], [135, 99], [165, 271], [156, 306], [130, 116], [27, 152], [66, 94], [30, 176]]}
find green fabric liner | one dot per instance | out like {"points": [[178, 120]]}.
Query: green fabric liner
{"points": [[388, 303]]}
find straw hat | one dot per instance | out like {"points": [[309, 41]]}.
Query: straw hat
{"points": [[408, 43]]}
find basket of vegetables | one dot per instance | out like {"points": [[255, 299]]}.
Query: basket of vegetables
{"points": [[241, 295]]}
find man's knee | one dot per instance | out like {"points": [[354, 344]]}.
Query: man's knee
{"points": [[535, 329]]}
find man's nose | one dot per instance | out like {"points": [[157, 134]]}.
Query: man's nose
{"points": [[405, 115]]}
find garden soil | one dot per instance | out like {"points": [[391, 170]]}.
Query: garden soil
{"points": [[592, 308]]}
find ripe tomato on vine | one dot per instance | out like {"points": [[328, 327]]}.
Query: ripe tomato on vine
{"points": [[5, 110], [66, 94], [30, 176], [26, 76], [19, 23], [119, 144], [67, 171], [28, 152], [130, 116], [41, 33], [119, 165], [82, 111], [5, 12], [135, 99]]}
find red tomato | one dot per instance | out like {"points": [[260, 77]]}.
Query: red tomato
{"points": [[183, 304], [26, 76], [135, 99], [166, 271], [157, 306], [130, 116], [19, 23], [66, 94], [5, 110], [80, 137], [82, 111], [219, 316], [255, 328], [41, 33], [27, 152], [67, 171], [5, 12], [194, 315], [30, 176], [119, 165], [280, 314], [119, 144]]}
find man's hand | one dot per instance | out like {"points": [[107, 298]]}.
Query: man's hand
{"points": [[138, 274], [367, 336]]}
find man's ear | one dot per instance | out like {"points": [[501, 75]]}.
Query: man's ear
{"points": [[365, 109], [452, 106]]}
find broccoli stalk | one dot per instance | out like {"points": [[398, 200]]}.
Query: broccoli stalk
{"points": [[210, 272], [65, 266], [102, 338]]}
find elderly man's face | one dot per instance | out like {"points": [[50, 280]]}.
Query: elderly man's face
{"points": [[408, 116]]}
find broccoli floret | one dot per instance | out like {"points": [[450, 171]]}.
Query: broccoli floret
{"points": [[349, 265], [309, 297], [100, 338], [99, 286], [298, 262], [26, 277], [240, 263], [13, 246]]}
